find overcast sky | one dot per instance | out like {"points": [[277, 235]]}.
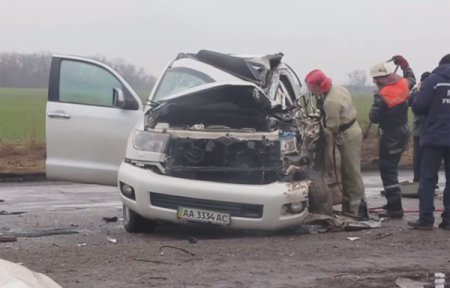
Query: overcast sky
{"points": [[337, 36]]}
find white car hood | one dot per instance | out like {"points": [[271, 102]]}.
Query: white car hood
{"points": [[241, 94]]}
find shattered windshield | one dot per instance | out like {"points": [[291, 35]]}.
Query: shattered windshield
{"points": [[178, 79]]}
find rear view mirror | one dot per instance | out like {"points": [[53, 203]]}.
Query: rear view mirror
{"points": [[118, 98]]}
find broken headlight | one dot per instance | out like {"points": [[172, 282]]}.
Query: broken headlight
{"points": [[150, 141]]}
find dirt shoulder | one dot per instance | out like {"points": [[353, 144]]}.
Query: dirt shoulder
{"points": [[369, 154], [19, 158]]}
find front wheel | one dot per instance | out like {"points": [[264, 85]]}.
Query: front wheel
{"points": [[135, 223], [319, 195]]}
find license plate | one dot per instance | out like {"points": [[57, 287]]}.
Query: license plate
{"points": [[203, 216]]}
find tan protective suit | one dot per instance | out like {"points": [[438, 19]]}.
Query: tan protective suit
{"points": [[339, 110]]}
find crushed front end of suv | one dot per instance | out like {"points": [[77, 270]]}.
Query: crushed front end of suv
{"points": [[225, 140]]}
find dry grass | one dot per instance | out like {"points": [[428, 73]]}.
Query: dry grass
{"points": [[369, 155], [24, 157]]}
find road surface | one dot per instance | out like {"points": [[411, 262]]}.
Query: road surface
{"points": [[62, 234]]}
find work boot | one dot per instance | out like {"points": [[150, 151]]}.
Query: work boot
{"points": [[393, 209], [444, 226], [363, 212], [419, 225]]}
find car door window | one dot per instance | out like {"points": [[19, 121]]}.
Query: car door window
{"points": [[84, 83]]}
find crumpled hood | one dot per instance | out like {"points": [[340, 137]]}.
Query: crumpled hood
{"points": [[443, 71], [233, 97], [233, 105]]}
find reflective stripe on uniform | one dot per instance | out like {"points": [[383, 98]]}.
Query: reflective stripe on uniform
{"points": [[441, 85], [396, 151], [391, 186]]}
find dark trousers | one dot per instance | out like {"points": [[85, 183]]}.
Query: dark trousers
{"points": [[392, 145], [417, 156], [431, 160], [389, 175]]}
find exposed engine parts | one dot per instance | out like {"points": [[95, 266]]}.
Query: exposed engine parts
{"points": [[255, 132]]}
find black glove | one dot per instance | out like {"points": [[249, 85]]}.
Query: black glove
{"points": [[399, 60]]}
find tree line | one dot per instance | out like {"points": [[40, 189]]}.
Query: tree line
{"points": [[357, 82], [32, 70], [20, 70]]}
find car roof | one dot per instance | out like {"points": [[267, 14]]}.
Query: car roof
{"points": [[254, 69]]}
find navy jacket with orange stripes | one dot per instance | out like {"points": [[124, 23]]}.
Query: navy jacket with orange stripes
{"points": [[390, 107]]}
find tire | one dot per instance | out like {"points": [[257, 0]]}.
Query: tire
{"points": [[135, 223], [320, 199]]}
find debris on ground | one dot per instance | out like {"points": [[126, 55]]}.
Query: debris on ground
{"points": [[110, 219], [310, 229], [39, 232], [157, 278], [153, 261], [353, 238], [176, 248], [81, 244], [340, 223], [4, 239], [4, 212], [383, 235], [192, 240], [112, 240]]}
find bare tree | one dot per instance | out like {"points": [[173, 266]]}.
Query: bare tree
{"points": [[357, 78], [32, 71], [136, 77], [24, 70]]}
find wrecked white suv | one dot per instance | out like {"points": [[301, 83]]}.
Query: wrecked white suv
{"points": [[223, 140]]}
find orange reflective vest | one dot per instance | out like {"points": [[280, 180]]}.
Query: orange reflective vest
{"points": [[396, 93]]}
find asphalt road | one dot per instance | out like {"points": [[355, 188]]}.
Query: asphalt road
{"points": [[61, 232]]}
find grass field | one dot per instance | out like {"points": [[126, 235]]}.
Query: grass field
{"points": [[22, 113], [363, 102]]}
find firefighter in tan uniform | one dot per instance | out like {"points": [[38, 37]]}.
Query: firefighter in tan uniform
{"points": [[339, 116]]}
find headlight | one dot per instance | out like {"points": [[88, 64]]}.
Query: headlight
{"points": [[150, 141], [293, 208], [297, 207]]}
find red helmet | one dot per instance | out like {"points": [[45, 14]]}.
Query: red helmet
{"points": [[318, 82]]}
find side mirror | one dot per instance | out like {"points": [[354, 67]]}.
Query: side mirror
{"points": [[118, 98]]}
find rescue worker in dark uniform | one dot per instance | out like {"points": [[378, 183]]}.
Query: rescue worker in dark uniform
{"points": [[433, 101], [340, 120], [418, 124], [390, 111]]}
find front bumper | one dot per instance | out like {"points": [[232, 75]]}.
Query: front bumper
{"points": [[271, 198]]}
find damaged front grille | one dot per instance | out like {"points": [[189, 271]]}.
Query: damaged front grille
{"points": [[232, 208], [225, 160]]}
